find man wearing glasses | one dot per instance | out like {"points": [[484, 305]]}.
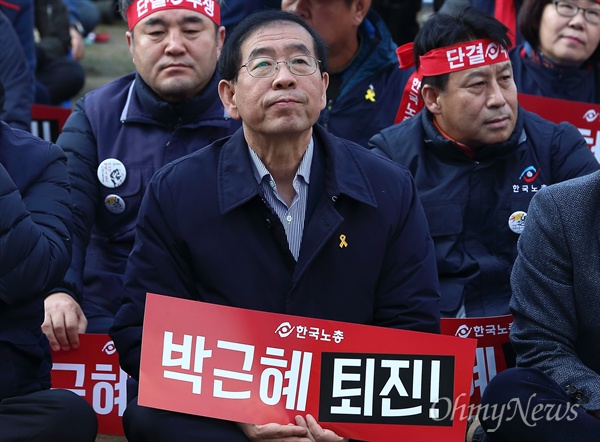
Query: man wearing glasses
{"points": [[281, 217]]}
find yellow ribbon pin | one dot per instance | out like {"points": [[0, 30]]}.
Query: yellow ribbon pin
{"points": [[370, 95], [343, 242]]}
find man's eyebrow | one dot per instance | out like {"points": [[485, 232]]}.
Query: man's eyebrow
{"points": [[476, 72], [506, 66], [262, 51], [151, 21]]}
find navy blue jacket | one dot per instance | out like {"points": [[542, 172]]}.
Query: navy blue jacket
{"points": [[35, 251], [553, 82], [205, 233], [468, 201], [371, 88], [126, 121], [17, 79]]}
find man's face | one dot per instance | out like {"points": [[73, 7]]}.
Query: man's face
{"points": [[334, 20], [175, 51], [285, 103], [479, 105]]}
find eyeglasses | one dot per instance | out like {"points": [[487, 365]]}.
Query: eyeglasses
{"points": [[263, 67], [567, 9]]}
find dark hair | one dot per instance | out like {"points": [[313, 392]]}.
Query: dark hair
{"points": [[123, 6], [230, 59], [442, 30], [529, 23]]}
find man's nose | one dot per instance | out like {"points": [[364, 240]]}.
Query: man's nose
{"points": [[496, 95], [283, 77], [174, 41]]}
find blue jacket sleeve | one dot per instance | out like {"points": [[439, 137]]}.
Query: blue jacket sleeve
{"points": [[154, 248], [35, 246], [20, 15], [16, 78], [77, 140]]}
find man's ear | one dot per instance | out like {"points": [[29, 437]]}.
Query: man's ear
{"points": [[227, 95], [361, 8], [430, 96], [220, 39], [129, 38], [325, 80]]}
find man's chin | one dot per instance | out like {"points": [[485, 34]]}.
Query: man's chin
{"points": [[177, 89]]}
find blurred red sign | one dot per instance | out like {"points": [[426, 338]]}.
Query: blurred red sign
{"points": [[93, 372], [493, 353]]}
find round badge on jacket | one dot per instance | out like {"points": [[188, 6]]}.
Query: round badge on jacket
{"points": [[516, 222], [111, 173], [115, 204]]}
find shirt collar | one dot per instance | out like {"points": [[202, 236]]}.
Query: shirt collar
{"points": [[260, 170]]}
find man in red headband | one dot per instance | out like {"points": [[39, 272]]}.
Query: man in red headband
{"points": [[477, 157], [119, 135]]}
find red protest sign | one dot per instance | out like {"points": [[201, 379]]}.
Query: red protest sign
{"points": [[362, 382], [493, 353], [584, 116], [93, 372], [47, 121]]}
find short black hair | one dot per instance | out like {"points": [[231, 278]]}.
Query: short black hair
{"points": [[230, 59], [442, 30], [529, 23]]}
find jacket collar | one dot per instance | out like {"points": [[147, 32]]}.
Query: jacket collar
{"points": [[143, 104], [438, 141], [343, 173]]}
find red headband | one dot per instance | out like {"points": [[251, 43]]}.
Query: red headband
{"points": [[461, 56], [140, 9]]}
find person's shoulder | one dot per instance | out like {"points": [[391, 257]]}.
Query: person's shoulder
{"points": [[20, 139], [25, 154], [200, 163], [373, 163], [112, 87], [574, 203], [408, 125], [584, 186], [534, 122], [400, 132]]}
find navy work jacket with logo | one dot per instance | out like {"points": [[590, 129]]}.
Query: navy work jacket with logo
{"points": [[474, 205]]}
